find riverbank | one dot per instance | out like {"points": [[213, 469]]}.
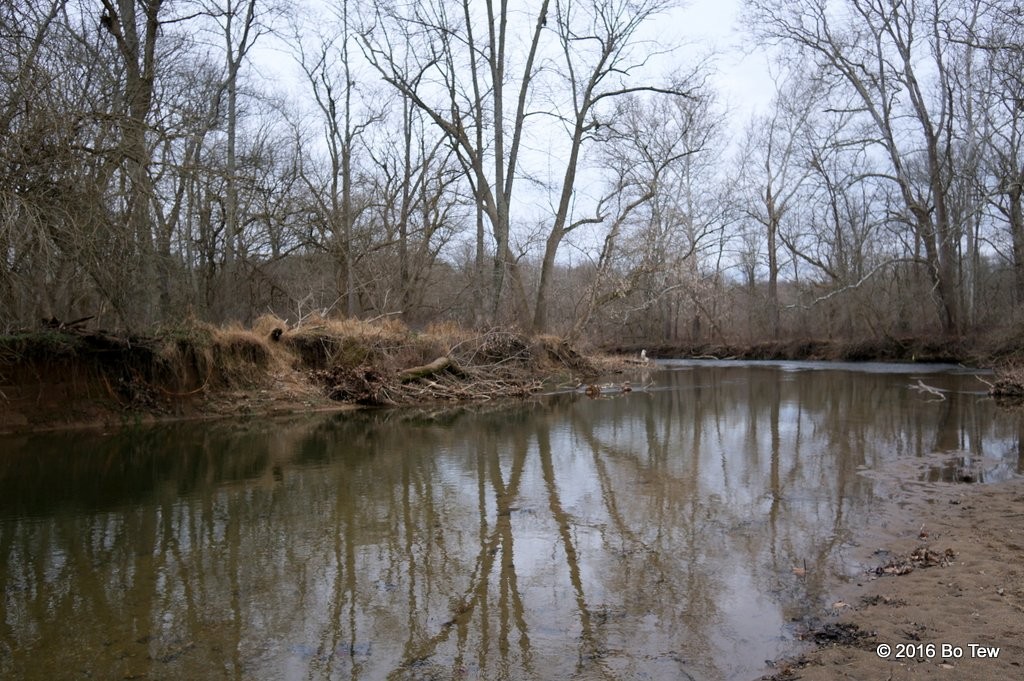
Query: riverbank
{"points": [[1002, 351], [942, 592], [997, 348], [66, 376]]}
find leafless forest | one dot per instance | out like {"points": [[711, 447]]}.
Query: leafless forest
{"points": [[563, 166]]}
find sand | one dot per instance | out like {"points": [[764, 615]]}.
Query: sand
{"points": [[962, 617]]}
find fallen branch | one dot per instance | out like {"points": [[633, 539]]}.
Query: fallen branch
{"points": [[990, 384], [435, 367], [923, 388]]}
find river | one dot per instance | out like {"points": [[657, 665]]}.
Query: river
{"points": [[681, 530]]}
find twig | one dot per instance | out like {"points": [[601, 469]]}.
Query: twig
{"points": [[382, 316], [988, 383]]}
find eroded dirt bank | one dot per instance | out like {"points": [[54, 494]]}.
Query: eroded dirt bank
{"points": [[61, 377], [942, 593]]}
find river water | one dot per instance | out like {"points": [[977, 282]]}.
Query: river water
{"points": [[646, 535]]}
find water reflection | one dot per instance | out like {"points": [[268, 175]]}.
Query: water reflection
{"points": [[652, 535]]}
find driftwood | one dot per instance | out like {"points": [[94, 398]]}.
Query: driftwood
{"points": [[922, 387], [435, 367]]}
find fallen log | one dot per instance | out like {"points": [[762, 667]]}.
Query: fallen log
{"points": [[435, 367]]}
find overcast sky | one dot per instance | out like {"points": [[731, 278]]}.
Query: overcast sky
{"points": [[705, 26], [743, 80]]}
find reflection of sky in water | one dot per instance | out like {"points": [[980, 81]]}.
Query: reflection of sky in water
{"points": [[649, 535]]}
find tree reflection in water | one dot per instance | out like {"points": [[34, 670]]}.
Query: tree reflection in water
{"points": [[652, 535]]}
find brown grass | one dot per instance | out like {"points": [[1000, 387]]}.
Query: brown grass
{"points": [[1009, 383], [323, 343], [241, 356], [199, 356], [265, 325], [220, 369]]}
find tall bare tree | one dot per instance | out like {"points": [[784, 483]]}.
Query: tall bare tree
{"points": [[882, 50], [241, 23], [458, 65], [331, 77], [601, 59], [643, 145], [135, 26], [774, 169], [997, 36], [465, 74]]}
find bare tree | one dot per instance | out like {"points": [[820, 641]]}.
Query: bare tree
{"points": [[643, 145], [135, 27], [331, 77], [459, 69], [880, 49], [464, 74], [601, 61], [27, 251], [773, 169], [241, 24], [997, 35], [417, 191]]}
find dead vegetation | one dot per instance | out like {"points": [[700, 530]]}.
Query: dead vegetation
{"points": [[1009, 383], [831, 634], [389, 365], [921, 557], [350, 361]]}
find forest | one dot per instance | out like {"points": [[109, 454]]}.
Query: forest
{"points": [[556, 166]]}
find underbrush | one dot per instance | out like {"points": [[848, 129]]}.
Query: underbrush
{"points": [[372, 363], [197, 356], [384, 363], [1009, 383]]}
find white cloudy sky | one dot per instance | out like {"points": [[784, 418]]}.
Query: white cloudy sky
{"points": [[742, 79], [703, 25]]}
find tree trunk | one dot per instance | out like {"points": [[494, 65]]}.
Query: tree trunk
{"points": [[1016, 215]]}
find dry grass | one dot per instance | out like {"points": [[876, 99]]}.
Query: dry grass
{"points": [[198, 356], [240, 356], [321, 343], [346, 360], [1009, 383], [265, 325], [364, 366]]}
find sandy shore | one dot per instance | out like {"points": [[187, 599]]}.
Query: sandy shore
{"points": [[957, 613]]}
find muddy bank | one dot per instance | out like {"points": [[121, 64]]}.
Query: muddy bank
{"points": [[994, 349], [58, 377], [941, 593]]}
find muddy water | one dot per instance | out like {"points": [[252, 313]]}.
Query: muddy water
{"points": [[649, 535]]}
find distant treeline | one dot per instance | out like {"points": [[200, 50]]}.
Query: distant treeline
{"points": [[535, 167]]}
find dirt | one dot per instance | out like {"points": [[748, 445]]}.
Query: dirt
{"points": [[69, 377], [942, 593]]}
